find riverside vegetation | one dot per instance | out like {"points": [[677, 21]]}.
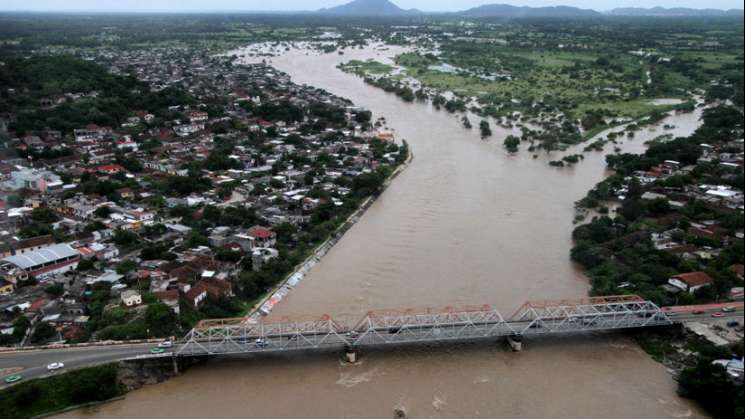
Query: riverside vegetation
{"points": [[563, 82], [50, 394]]}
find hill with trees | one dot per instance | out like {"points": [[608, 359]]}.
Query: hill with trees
{"points": [[511, 12], [368, 8]]}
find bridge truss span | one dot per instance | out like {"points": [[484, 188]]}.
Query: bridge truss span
{"points": [[376, 328], [588, 314]]}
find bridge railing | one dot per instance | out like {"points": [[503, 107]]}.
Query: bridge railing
{"points": [[227, 336]]}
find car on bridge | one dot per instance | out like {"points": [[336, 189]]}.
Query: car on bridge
{"points": [[156, 351], [728, 309], [165, 344]]}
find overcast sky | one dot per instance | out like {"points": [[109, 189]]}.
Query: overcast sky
{"points": [[287, 5]]}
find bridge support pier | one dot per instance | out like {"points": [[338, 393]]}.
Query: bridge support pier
{"points": [[515, 342], [350, 355], [175, 365]]}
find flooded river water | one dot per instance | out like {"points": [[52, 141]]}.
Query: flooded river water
{"points": [[465, 223]]}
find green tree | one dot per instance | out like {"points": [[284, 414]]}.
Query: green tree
{"points": [[93, 384], [711, 386], [102, 211], [485, 128], [512, 143], [43, 215], [55, 290], [42, 333], [125, 238], [20, 327], [161, 320], [126, 267]]}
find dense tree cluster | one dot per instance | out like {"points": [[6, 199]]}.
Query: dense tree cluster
{"points": [[106, 100]]}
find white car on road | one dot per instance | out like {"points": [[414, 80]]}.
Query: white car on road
{"points": [[55, 366], [165, 344]]}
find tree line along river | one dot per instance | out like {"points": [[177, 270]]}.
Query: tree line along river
{"points": [[465, 224]]}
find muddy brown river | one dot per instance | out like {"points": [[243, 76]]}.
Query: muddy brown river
{"points": [[465, 223]]}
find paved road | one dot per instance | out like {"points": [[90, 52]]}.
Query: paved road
{"points": [[705, 314], [706, 317], [34, 363]]}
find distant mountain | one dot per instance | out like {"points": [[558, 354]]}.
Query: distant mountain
{"points": [[511, 12], [368, 8], [673, 12], [387, 8]]}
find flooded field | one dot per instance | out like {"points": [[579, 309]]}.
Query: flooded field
{"points": [[466, 223]]}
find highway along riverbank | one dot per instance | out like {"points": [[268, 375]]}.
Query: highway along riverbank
{"points": [[465, 223]]}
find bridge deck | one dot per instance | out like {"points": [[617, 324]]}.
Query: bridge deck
{"points": [[232, 336]]}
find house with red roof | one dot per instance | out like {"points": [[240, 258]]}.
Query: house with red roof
{"points": [[262, 236], [197, 116], [690, 281], [386, 136], [739, 270], [264, 123], [37, 305], [216, 289], [110, 169], [195, 296], [169, 298]]}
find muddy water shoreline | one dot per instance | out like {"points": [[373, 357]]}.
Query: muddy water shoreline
{"points": [[466, 223]]}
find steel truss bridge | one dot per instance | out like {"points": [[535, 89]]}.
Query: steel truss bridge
{"points": [[377, 328]]}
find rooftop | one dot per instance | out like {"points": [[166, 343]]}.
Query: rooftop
{"points": [[41, 256]]}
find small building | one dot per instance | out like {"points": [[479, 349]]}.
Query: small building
{"points": [[131, 298], [169, 298], [262, 255], [734, 367], [197, 116], [110, 169], [216, 289], [108, 276], [195, 296], [6, 287], [739, 271], [651, 196], [691, 281], [262, 236]]}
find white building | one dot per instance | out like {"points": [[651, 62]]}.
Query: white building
{"points": [[38, 180], [131, 298], [691, 281], [188, 129]]}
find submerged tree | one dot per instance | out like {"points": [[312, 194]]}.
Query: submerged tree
{"points": [[485, 128], [512, 143]]}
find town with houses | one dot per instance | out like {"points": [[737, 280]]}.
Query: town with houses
{"points": [[674, 220], [170, 195], [201, 209]]}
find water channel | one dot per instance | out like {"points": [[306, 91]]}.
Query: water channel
{"points": [[466, 223]]}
